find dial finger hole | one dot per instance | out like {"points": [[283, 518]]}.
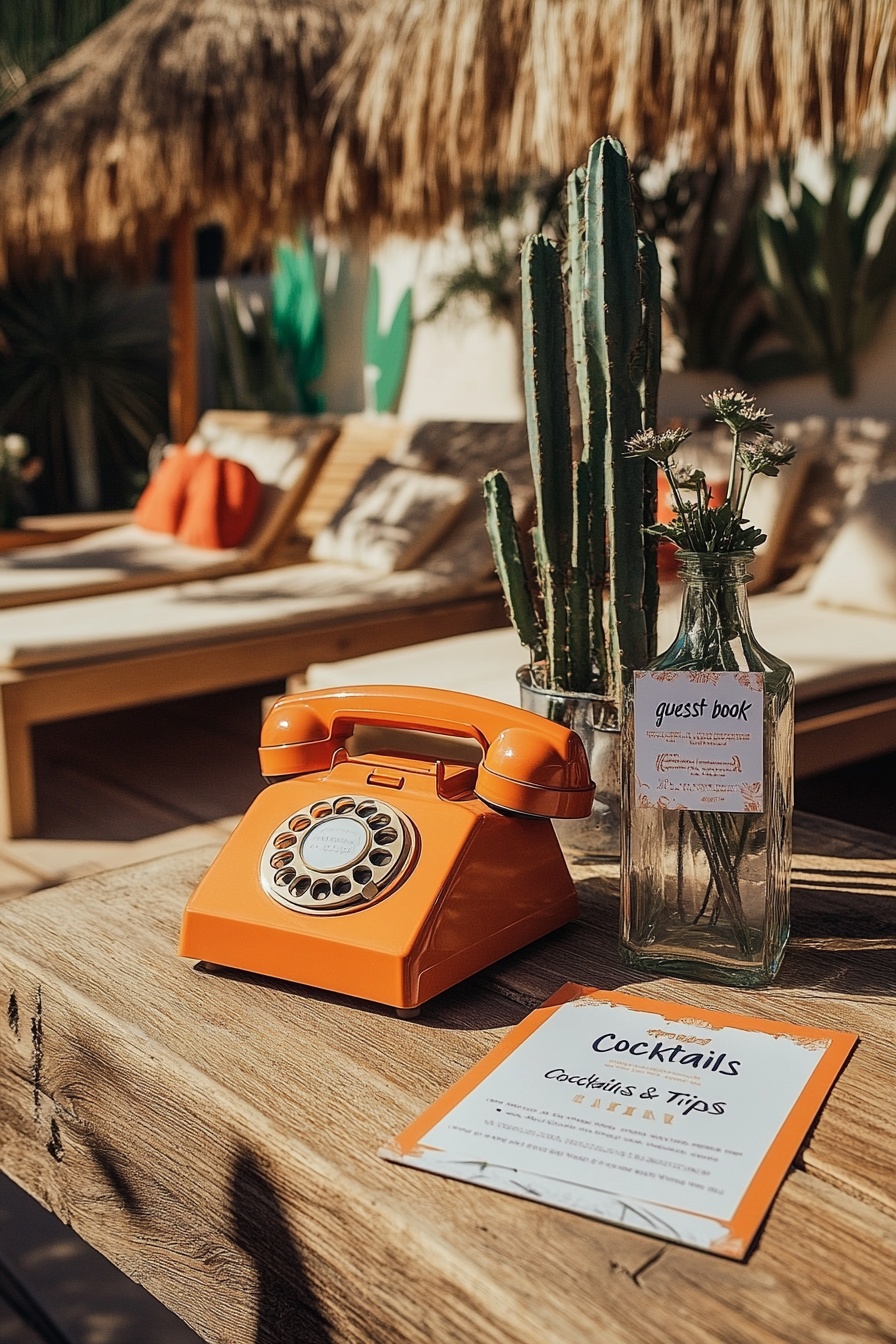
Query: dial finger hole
{"points": [[366, 809], [362, 875], [387, 836], [343, 805], [301, 885], [284, 877], [381, 819], [380, 857], [281, 860], [320, 891], [285, 840], [321, 810], [299, 824], [342, 886]]}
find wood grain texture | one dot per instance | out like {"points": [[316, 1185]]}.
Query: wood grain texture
{"points": [[215, 1134]]}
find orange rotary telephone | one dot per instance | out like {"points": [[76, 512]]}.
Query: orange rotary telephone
{"points": [[392, 875]]}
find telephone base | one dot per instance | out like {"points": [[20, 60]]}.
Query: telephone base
{"points": [[477, 885], [402, 980]]}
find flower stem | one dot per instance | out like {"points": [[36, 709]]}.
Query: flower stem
{"points": [[723, 869], [729, 496], [679, 505]]}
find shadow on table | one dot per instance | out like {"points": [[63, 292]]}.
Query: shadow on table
{"points": [[843, 929], [287, 1306]]}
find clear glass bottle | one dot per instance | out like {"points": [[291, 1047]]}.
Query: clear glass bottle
{"points": [[707, 894]]}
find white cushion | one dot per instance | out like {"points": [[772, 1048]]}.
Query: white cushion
{"points": [[392, 518], [480, 664], [119, 555], [115, 554], [205, 611], [858, 570], [261, 442]]}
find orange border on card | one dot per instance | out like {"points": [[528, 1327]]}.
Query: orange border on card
{"points": [[773, 1167]]}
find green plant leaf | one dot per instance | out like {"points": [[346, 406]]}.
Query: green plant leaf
{"points": [[837, 264], [297, 318], [773, 255], [387, 350]]}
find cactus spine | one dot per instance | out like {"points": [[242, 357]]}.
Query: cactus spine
{"points": [[590, 513]]}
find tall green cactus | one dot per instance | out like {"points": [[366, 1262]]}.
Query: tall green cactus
{"points": [[591, 512]]}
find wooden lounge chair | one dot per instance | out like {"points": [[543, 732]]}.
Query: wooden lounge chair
{"points": [[86, 655], [286, 453]]}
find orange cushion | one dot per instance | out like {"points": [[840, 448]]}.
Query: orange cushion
{"points": [[222, 498], [160, 506], [203, 500], [667, 553]]}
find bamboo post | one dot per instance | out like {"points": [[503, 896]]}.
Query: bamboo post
{"points": [[183, 394]]}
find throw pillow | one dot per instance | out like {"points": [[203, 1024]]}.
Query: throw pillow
{"points": [[161, 504], [205, 501], [392, 517], [222, 498], [858, 570]]}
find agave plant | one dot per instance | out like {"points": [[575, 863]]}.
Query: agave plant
{"points": [[298, 320], [386, 350], [829, 267], [83, 376], [700, 219]]}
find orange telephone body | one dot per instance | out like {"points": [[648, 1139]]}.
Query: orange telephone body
{"points": [[392, 875]]}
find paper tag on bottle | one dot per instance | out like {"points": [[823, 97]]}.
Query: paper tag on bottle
{"points": [[698, 741]]}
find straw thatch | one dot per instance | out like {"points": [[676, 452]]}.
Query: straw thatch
{"points": [[205, 106], [435, 99]]}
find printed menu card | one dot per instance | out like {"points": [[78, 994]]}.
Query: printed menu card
{"points": [[674, 1121]]}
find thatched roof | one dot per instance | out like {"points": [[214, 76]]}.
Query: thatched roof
{"points": [[209, 106], [435, 98]]}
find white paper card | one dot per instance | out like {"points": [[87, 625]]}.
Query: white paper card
{"points": [[698, 741], [676, 1121]]}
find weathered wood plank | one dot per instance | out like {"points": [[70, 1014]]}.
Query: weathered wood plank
{"points": [[215, 1135]]}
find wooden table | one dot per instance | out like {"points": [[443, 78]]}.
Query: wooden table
{"points": [[215, 1135]]}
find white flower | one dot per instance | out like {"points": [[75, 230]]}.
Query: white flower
{"points": [[738, 410], [16, 445], [656, 447]]}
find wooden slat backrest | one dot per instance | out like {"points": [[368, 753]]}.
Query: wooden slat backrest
{"points": [[361, 439]]}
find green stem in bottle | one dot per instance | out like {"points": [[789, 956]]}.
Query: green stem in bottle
{"points": [[732, 472]]}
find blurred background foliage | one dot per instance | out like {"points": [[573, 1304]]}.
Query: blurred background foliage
{"points": [[83, 377], [251, 371], [34, 32], [298, 319], [828, 265], [387, 346], [717, 316], [767, 274]]}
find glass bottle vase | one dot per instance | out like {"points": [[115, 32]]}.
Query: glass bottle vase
{"points": [[706, 894]]}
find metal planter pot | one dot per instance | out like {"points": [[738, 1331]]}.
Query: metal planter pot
{"points": [[596, 720]]}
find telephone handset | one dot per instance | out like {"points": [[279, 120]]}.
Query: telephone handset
{"points": [[429, 867]]}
